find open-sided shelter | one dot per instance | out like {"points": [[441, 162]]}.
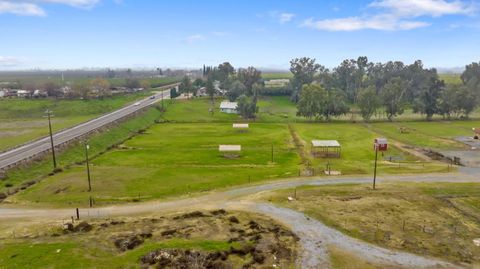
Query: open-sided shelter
{"points": [[326, 148]]}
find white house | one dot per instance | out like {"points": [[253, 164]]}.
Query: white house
{"points": [[228, 107]]}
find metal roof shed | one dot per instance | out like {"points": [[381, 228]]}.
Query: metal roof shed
{"points": [[326, 148]]}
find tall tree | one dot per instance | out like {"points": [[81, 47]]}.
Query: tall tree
{"points": [[428, 96], [210, 88], [392, 97], [303, 70], [186, 86], [224, 71], [235, 90], [312, 101], [101, 87], [368, 102], [249, 77], [246, 106]]}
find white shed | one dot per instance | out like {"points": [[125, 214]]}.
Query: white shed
{"points": [[228, 107]]}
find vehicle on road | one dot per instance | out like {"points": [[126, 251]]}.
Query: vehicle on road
{"points": [[137, 104], [152, 97]]}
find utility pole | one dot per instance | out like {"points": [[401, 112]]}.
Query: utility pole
{"points": [[49, 115], [272, 153], [375, 169], [87, 147]]}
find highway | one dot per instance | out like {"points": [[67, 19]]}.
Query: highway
{"points": [[34, 148]]}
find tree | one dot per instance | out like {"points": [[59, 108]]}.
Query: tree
{"points": [[210, 88], [368, 102], [129, 73], [101, 87], [145, 84], [303, 70], [311, 102], [198, 83], [235, 90], [249, 77], [81, 90], [466, 100], [132, 83], [335, 105], [427, 100], [447, 101], [224, 71], [186, 85], [52, 89], [246, 106], [392, 97]]}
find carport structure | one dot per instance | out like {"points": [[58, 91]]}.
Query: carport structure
{"points": [[326, 148]]}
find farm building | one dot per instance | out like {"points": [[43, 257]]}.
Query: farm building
{"points": [[326, 148], [228, 107]]}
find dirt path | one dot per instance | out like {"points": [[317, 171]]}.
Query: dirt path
{"points": [[314, 235]]}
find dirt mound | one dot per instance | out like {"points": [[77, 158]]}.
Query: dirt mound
{"points": [[128, 242]]}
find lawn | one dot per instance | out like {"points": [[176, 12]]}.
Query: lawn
{"points": [[438, 219], [357, 155], [435, 135], [171, 160]]}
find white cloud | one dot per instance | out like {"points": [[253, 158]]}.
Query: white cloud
{"points": [[394, 15], [10, 61], [194, 38], [416, 8], [281, 17], [218, 33], [34, 7], [22, 8], [285, 17], [380, 22]]}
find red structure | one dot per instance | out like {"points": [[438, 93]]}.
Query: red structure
{"points": [[380, 144]]}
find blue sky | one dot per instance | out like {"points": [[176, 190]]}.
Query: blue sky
{"points": [[189, 33]]}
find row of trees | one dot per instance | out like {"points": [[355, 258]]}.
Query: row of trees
{"points": [[392, 86]]}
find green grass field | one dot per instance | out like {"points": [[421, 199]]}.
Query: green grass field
{"points": [[171, 160], [439, 219], [180, 156]]}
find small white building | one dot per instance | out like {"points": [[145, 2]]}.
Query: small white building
{"points": [[228, 107]]}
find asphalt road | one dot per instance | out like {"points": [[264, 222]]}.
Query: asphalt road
{"points": [[34, 148]]}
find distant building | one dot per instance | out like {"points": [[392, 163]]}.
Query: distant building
{"points": [[23, 93], [273, 83], [228, 107]]}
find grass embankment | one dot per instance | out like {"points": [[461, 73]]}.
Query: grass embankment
{"points": [[75, 154], [438, 219], [22, 120]]}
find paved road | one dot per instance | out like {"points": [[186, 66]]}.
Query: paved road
{"points": [[34, 148]]}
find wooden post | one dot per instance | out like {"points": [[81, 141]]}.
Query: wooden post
{"points": [[272, 153], [78, 213], [375, 169], [91, 201]]}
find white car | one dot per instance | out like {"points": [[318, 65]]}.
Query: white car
{"points": [[137, 104]]}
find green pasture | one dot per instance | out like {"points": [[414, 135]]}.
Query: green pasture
{"points": [[171, 160], [357, 154]]}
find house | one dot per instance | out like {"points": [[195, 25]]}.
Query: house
{"points": [[23, 93], [228, 107], [3, 92]]}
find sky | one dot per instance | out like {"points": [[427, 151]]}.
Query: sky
{"points": [[66, 34]]}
